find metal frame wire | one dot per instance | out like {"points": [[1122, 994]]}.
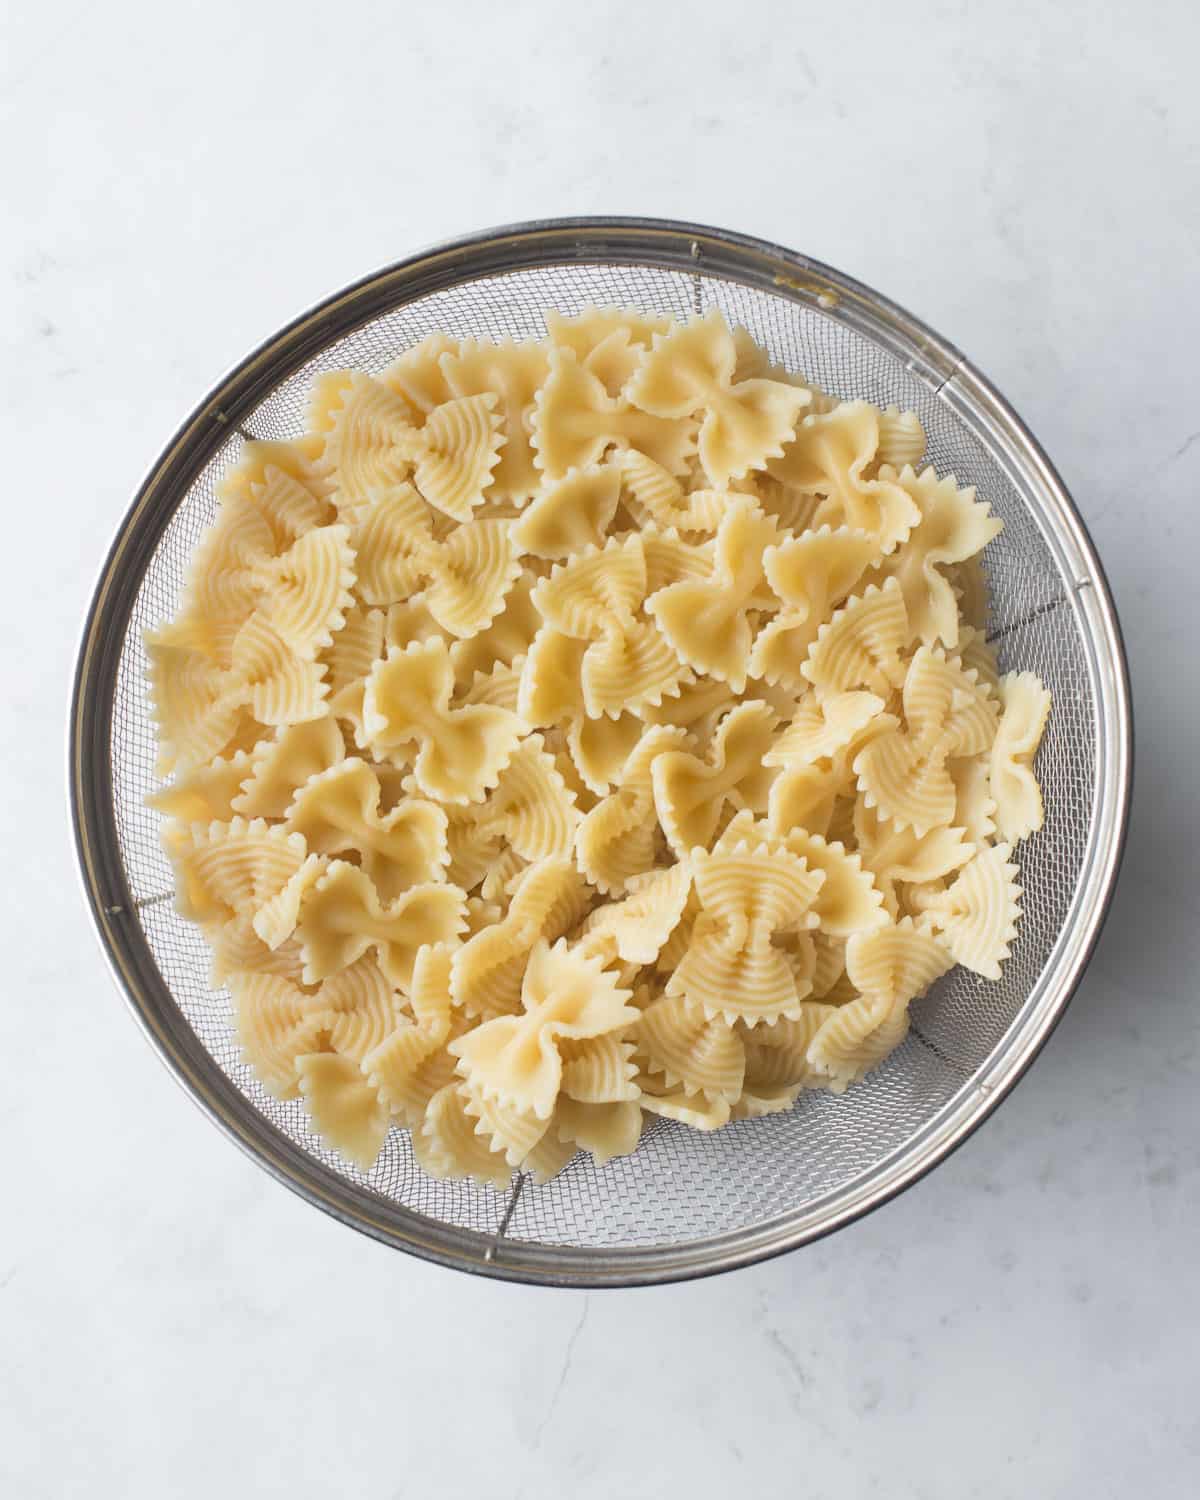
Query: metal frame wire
{"points": [[706, 257]]}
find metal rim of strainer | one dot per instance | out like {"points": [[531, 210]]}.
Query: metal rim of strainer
{"points": [[666, 245]]}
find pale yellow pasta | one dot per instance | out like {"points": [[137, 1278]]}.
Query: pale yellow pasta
{"points": [[676, 1039], [811, 574], [901, 438], [732, 967], [953, 527], [658, 497], [342, 916], [1014, 788], [564, 996], [862, 645], [707, 620], [904, 772], [464, 578], [576, 421], [488, 971], [976, 917], [690, 370], [620, 838], [690, 794], [337, 812], [407, 703], [829, 457], [572, 514], [346, 1112], [513, 374], [597, 598], [583, 732]]}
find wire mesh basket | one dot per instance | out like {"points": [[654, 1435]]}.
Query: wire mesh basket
{"points": [[686, 1203]]}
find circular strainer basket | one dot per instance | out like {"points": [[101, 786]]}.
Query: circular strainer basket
{"points": [[685, 1203]]}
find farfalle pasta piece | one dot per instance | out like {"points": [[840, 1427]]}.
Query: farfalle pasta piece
{"points": [[619, 838], [657, 496], [635, 929], [418, 377], [447, 1143], [205, 794], [360, 1008], [462, 751], [516, 1059], [597, 598], [732, 967], [1014, 788], [464, 578], [976, 916], [953, 526], [576, 421], [608, 341], [348, 659], [904, 772], [690, 794], [512, 373], [848, 900], [201, 705], [830, 456], [861, 646], [371, 443], [508, 637], [812, 574], [338, 812], [690, 370], [412, 1063], [341, 917], [275, 1022], [823, 727], [286, 482], [707, 620], [889, 967], [531, 811], [571, 514], [278, 1026], [901, 438], [488, 970], [226, 870], [678, 1041], [303, 592], [697, 1111], [894, 853], [605, 1130], [776, 1057], [278, 766], [345, 1111]]}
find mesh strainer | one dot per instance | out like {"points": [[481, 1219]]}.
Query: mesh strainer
{"points": [[685, 1204]]}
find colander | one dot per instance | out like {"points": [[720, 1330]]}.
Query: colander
{"points": [[685, 1204]]}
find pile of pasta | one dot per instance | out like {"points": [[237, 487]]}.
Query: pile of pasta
{"points": [[568, 734]]}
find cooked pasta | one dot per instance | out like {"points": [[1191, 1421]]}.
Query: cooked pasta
{"points": [[569, 734]]}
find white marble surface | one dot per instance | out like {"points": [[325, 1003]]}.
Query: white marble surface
{"points": [[180, 180]]}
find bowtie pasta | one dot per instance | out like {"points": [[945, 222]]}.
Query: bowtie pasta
{"points": [[567, 734]]}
